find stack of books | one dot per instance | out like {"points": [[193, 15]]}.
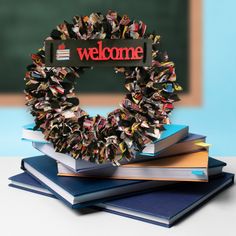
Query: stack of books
{"points": [[169, 178]]}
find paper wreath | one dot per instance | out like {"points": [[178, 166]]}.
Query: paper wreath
{"points": [[144, 110]]}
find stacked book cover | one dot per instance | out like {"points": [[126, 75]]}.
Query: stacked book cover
{"points": [[169, 178]]}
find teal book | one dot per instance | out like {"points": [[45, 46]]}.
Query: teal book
{"points": [[31, 135], [172, 134]]}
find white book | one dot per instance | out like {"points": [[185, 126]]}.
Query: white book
{"points": [[75, 164]]}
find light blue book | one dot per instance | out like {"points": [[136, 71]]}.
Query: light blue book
{"points": [[171, 135], [31, 135]]}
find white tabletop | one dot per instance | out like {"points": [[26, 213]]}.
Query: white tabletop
{"points": [[25, 213]]}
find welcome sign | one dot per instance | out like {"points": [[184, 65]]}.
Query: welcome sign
{"points": [[106, 52]]}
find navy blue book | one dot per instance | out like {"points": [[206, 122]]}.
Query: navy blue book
{"points": [[25, 182], [163, 206], [167, 206], [80, 192]]}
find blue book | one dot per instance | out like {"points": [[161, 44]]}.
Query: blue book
{"points": [[25, 182], [167, 206], [80, 192], [164, 206]]}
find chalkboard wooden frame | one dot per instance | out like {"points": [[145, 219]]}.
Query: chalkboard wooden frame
{"points": [[192, 98]]}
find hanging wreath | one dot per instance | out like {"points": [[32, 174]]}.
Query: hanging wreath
{"points": [[151, 91]]}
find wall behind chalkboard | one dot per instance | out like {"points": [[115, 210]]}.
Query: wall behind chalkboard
{"points": [[26, 23]]}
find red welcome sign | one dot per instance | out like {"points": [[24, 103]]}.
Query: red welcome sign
{"points": [[101, 53], [116, 52]]}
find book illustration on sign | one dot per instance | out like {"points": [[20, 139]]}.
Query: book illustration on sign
{"points": [[62, 54]]}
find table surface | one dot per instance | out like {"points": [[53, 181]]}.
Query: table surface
{"points": [[25, 213]]}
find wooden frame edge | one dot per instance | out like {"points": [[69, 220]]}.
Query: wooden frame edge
{"points": [[194, 97]]}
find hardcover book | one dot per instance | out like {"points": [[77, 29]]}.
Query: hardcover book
{"points": [[163, 206], [80, 192], [166, 206], [186, 145]]}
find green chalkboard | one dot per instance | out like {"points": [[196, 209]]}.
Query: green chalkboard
{"points": [[25, 24]]}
